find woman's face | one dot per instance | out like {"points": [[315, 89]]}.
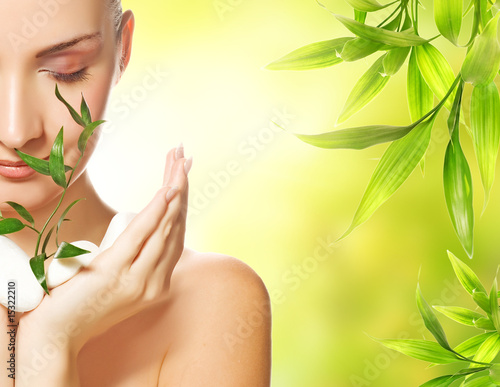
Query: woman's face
{"points": [[44, 42]]}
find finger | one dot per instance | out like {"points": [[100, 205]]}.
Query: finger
{"points": [[130, 241], [169, 164], [152, 250]]}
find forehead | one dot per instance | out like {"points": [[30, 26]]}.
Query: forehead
{"points": [[29, 25]]}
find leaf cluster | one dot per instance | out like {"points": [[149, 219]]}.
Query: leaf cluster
{"points": [[56, 169], [395, 40], [479, 351]]}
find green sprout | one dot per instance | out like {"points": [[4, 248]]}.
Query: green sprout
{"points": [[56, 168]]}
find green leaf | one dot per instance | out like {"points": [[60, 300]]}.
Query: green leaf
{"points": [[62, 218], [38, 268], [367, 5], [470, 346], [67, 250], [356, 138], [87, 132], [47, 238], [381, 35], [446, 380], [430, 320], [23, 212], [56, 161], [461, 315], [436, 71], [448, 17], [84, 108], [359, 48], [483, 381], [39, 165], [454, 117], [482, 300], [420, 97], [74, 114], [466, 276], [488, 350], [312, 56], [482, 62], [485, 127], [485, 324], [421, 349], [394, 60], [10, 225], [368, 87], [457, 183], [495, 312], [396, 165]]}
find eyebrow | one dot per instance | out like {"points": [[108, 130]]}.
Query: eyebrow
{"points": [[65, 45]]}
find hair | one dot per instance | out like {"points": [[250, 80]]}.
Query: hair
{"points": [[115, 7]]}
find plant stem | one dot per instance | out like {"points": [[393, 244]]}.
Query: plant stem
{"points": [[57, 207], [391, 15]]}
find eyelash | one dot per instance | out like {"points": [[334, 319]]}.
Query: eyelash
{"points": [[81, 75]]}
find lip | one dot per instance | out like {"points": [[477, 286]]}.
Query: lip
{"points": [[16, 169]]}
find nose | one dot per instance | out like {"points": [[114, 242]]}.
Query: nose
{"points": [[19, 121]]}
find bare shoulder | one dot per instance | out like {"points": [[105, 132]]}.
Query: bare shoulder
{"points": [[222, 318]]}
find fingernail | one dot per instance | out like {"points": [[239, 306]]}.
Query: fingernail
{"points": [[171, 192], [179, 152], [187, 164]]}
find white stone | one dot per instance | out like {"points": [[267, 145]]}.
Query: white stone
{"points": [[14, 266]]}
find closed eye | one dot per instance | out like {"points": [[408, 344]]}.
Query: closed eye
{"points": [[78, 76]]}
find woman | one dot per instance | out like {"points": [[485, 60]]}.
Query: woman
{"points": [[148, 311]]}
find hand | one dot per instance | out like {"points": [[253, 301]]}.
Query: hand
{"points": [[123, 280]]}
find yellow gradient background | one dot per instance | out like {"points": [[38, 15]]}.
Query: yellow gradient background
{"points": [[261, 195]]}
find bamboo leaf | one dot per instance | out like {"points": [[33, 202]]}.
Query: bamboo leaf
{"points": [[381, 35], [430, 320], [470, 346], [485, 324], [86, 133], [485, 127], [420, 97], [56, 161], [461, 315], [394, 60], [483, 381], [482, 300], [359, 48], [436, 71], [356, 138], [448, 17], [397, 163], [359, 16], [67, 250], [482, 62], [38, 268], [421, 349], [74, 114], [466, 276], [86, 116], [62, 218], [368, 87], [367, 5], [488, 350], [39, 165], [457, 183], [10, 226], [312, 56], [23, 212], [447, 380], [495, 312]]}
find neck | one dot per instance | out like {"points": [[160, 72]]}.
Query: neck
{"points": [[89, 219]]}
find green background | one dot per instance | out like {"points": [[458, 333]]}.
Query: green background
{"points": [[263, 196]]}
